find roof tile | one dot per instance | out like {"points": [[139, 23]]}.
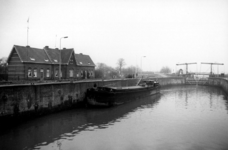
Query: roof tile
{"points": [[29, 54], [51, 56], [83, 60]]}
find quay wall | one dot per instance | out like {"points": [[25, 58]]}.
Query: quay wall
{"points": [[220, 82], [170, 81], [24, 98], [29, 97]]}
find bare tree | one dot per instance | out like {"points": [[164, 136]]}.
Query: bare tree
{"points": [[101, 65], [104, 71], [120, 64], [165, 70], [129, 72], [100, 70]]}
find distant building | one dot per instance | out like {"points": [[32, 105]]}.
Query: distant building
{"points": [[3, 69], [27, 63]]}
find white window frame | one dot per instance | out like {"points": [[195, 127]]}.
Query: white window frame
{"points": [[35, 73], [42, 72], [56, 73], [48, 73], [81, 72], [29, 72], [71, 73]]}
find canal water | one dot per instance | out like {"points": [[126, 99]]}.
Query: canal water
{"points": [[180, 118]]}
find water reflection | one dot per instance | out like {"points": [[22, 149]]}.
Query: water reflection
{"points": [[189, 96], [67, 125], [182, 117]]}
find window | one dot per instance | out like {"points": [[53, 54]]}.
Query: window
{"points": [[29, 72], [91, 73], [81, 73], [48, 73], [35, 73], [41, 73], [71, 73], [56, 73], [71, 61], [86, 74]]}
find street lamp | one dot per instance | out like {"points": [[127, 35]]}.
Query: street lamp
{"points": [[141, 62], [60, 72]]}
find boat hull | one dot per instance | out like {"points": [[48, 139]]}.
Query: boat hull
{"points": [[110, 97]]}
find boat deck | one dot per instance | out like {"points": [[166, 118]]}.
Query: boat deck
{"points": [[128, 87]]}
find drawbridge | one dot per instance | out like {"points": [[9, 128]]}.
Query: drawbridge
{"points": [[199, 77]]}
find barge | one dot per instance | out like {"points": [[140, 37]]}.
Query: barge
{"points": [[109, 96]]}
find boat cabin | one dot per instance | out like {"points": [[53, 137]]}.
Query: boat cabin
{"points": [[148, 83]]}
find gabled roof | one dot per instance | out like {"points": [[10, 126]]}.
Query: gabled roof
{"points": [[83, 60], [54, 55], [48, 55], [66, 55], [31, 55]]}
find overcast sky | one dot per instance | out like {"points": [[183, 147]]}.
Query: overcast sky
{"points": [[165, 31]]}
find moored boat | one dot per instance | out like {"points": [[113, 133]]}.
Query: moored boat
{"points": [[108, 96]]}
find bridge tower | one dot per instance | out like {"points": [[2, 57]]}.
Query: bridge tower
{"points": [[186, 65], [211, 65]]}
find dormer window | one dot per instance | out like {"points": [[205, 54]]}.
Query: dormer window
{"points": [[89, 63], [33, 59], [55, 60], [46, 60], [80, 63]]}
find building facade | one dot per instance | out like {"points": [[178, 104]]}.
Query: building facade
{"points": [[27, 63]]}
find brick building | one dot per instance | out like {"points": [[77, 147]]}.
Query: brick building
{"points": [[84, 66], [27, 63]]}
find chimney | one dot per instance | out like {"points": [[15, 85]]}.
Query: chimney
{"points": [[28, 46], [46, 47]]}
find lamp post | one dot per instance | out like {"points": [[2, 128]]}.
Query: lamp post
{"points": [[60, 73], [141, 61]]}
